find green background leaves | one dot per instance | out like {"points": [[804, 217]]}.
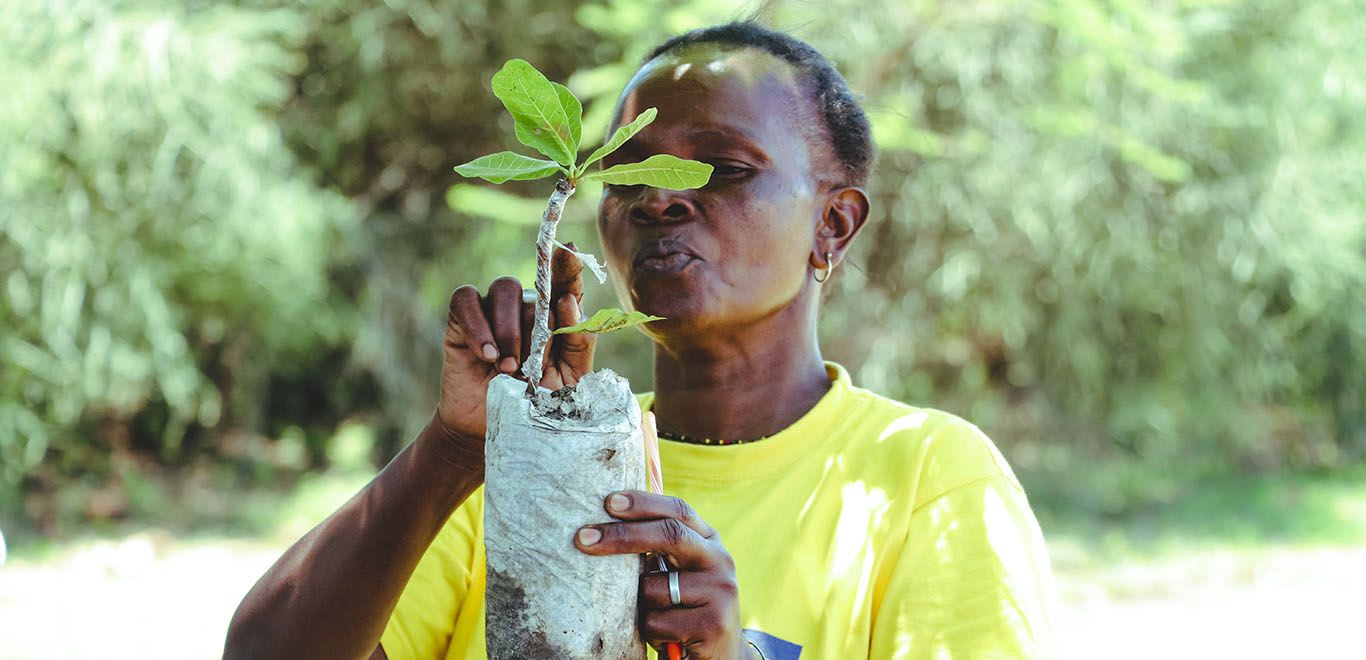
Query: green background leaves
{"points": [[1109, 234]]}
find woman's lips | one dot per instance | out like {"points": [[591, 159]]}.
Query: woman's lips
{"points": [[669, 263], [662, 258]]}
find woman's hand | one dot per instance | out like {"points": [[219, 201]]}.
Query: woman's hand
{"points": [[490, 334], [706, 622]]}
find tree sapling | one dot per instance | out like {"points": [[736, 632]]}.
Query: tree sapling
{"points": [[553, 457]]}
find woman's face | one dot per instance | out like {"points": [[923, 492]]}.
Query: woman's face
{"points": [[738, 249]]}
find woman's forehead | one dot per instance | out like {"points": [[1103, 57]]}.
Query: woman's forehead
{"points": [[744, 66], [745, 89]]}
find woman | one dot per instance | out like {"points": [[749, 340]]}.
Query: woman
{"points": [[806, 516]]}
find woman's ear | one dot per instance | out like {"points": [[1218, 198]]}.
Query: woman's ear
{"points": [[846, 211]]}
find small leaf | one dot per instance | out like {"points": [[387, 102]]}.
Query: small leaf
{"points": [[659, 171], [505, 166], [620, 136], [607, 320], [538, 109]]}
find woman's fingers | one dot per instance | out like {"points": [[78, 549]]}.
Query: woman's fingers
{"points": [[569, 354], [574, 350], [640, 505], [705, 616], [504, 303], [467, 315], [528, 322], [566, 274], [685, 626], [695, 589], [655, 523], [680, 544]]}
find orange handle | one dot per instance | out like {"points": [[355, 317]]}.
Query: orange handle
{"points": [[675, 651]]}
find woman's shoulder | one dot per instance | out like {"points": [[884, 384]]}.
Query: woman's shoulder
{"points": [[930, 450]]}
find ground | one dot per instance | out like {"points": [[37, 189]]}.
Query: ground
{"points": [[156, 594]]}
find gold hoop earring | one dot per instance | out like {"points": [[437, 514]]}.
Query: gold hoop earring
{"points": [[829, 268]]}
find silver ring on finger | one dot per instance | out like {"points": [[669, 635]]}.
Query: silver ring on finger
{"points": [[675, 598], [530, 296]]}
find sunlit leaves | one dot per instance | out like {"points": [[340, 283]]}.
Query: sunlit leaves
{"points": [[538, 108], [619, 137], [609, 320], [507, 166], [549, 119], [573, 110], [659, 171]]}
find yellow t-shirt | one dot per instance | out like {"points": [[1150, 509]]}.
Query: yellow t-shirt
{"points": [[866, 529]]}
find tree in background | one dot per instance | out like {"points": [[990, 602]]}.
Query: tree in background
{"points": [[163, 256], [1114, 235]]}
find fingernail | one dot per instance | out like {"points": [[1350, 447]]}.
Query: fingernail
{"points": [[618, 502], [508, 365], [589, 536], [490, 352]]}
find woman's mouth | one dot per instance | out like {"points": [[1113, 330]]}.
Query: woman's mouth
{"points": [[662, 257]]}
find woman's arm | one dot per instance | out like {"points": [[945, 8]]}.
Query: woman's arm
{"points": [[331, 593]]}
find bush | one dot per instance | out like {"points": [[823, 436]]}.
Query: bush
{"points": [[164, 254]]}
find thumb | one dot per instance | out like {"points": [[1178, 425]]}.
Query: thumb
{"points": [[574, 350], [566, 275]]}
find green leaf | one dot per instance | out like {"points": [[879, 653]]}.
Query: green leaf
{"points": [[506, 166], [573, 110], [542, 121], [620, 136], [659, 170], [608, 320]]}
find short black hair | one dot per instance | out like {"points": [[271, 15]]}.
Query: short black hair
{"points": [[845, 122]]}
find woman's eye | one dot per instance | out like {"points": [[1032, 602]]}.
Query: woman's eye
{"points": [[728, 169]]}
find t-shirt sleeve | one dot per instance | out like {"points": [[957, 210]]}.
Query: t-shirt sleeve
{"points": [[421, 624], [973, 578]]}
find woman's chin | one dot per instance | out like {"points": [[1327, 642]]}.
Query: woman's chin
{"points": [[678, 311]]}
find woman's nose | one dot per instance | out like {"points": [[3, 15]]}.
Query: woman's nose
{"points": [[660, 205]]}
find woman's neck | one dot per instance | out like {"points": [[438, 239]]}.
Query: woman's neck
{"points": [[741, 385]]}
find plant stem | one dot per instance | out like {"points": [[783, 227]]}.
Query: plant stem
{"points": [[545, 248]]}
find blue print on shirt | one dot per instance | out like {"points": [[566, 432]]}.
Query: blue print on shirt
{"points": [[772, 647]]}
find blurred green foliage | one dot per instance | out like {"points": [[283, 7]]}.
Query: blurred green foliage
{"points": [[162, 256], [1127, 239]]}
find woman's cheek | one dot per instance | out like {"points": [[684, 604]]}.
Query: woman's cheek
{"points": [[610, 236]]}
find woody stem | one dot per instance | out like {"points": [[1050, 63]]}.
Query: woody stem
{"points": [[545, 247]]}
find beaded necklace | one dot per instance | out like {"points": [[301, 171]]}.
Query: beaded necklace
{"points": [[675, 437]]}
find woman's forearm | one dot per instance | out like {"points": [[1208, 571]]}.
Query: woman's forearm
{"points": [[331, 593]]}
